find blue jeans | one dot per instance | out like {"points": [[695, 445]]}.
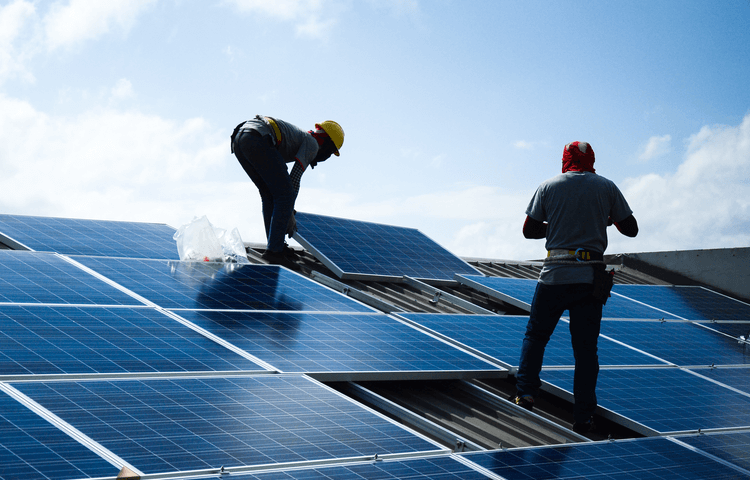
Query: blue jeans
{"points": [[550, 301], [267, 169]]}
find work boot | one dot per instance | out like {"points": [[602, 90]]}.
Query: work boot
{"points": [[525, 401], [278, 258], [290, 253], [584, 427]]}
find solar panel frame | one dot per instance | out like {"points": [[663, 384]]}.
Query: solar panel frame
{"points": [[732, 447], [47, 278], [174, 284], [735, 378], [187, 424], [686, 402], [687, 302], [343, 346], [47, 341], [435, 467], [31, 447], [475, 333], [643, 458], [88, 237], [358, 250], [519, 292], [679, 342]]}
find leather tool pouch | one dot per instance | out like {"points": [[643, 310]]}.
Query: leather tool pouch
{"points": [[603, 281]]}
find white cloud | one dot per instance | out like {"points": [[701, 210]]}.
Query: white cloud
{"points": [[705, 203], [108, 164], [656, 147], [80, 20], [313, 17], [523, 145], [122, 89], [16, 20]]}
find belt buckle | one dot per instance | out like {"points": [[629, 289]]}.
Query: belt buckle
{"points": [[579, 257]]}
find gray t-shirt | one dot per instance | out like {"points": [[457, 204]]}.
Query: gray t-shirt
{"points": [[576, 205], [295, 142]]}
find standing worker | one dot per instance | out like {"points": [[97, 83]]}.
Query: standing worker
{"points": [[572, 211], [263, 146]]}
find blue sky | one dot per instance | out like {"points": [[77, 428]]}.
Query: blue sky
{"points": [[454, 111]]}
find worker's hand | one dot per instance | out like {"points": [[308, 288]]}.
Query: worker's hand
{"points": [[291, 226]]}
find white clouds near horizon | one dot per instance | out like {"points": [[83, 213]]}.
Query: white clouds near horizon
{"points": [[656, 146], [82, 20]]}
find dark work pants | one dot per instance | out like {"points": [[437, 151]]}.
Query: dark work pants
{"points": [[550, 301], [267, 169]]}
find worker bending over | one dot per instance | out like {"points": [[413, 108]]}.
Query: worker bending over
{"points": [[263, 146], [572, 211]]}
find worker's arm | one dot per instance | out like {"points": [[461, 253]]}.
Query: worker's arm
{"points": [[296, 176], [534, 228], [628, 227]]}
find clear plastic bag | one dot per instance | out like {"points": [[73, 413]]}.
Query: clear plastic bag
{"points": [[197, 241], [232, 245]]}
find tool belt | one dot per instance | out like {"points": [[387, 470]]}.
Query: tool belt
{"points": [[579, 255], [603, 279], [271, 123]]}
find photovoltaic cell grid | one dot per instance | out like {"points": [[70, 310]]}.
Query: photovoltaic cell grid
{"points": [[322, 342], [501, 336], [29, 277], [207, 285], [678, 342], [364, 250], [433, 468], [516, 291], [31, 447], [690, 303], [732, 447], [738, 378], [183, 424], [735, 329], [664, 399], [644, 459], [520, 292], [90, 237], [37, 340]]}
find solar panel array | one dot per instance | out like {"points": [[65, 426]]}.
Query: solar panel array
{"points": [[370, 251], [688, 360], [88, 237], [112, 359], [161, 366]]}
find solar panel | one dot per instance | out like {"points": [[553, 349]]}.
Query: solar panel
{"points": [[357, 344], [432, 468], [678, 342], [175, 284], [182, 424], [31, 447], [663, 400], [370, 251], [733, 328], [643, 459], [690, 303], [514, 291], [520, 293], [28, 277], [88, 237], [70, 340], [732, 447], [500, 337], [737, 378]]}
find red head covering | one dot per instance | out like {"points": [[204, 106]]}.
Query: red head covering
{"points": [[578, 157]]}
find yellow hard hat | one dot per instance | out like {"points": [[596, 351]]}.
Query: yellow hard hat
{"points": [[334, 131]]}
